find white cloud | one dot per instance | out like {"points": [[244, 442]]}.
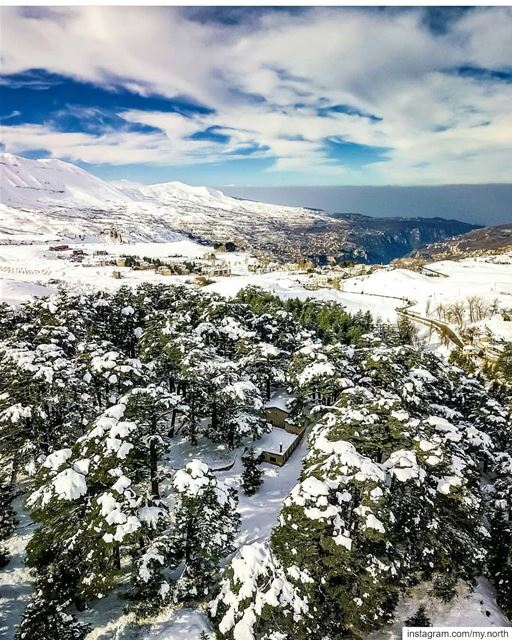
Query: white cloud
{"points": [[267, 79]]}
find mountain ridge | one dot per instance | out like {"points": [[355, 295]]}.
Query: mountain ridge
{"points": [[71, 202]]}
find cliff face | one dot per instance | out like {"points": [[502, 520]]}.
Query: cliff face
{"points": [[376, 240], [481, 241]]}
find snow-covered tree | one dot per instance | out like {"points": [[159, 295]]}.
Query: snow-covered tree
{"points": [[251, 476], [41, 404], [206, 521], [7, 515], [46, 619], [92, 507], [419, 619], [257, 595]]}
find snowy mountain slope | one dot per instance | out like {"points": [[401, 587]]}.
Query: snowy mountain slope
{"points": [[47, 182], [58, 197], [172, 192]]}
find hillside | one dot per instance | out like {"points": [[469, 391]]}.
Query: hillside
{"points": [[57, 199], [385, 239], [479, 242]]}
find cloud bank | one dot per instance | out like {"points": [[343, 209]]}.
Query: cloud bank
{"points": [[312, 96]]}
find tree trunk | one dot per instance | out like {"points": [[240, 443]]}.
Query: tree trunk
{"points": [[193, 435], [153, 468], [173, 423], [117, 557]]}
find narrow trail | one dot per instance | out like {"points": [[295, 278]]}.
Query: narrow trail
{"points": [[443, 329]]}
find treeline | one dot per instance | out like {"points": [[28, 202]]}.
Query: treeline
{"points": [[328, 320]]}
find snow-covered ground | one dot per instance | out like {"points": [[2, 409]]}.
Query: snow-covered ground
{"points": [[468, 609], [482, 277], [15, 582], [34, 270]]}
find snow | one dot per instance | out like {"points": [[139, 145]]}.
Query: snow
{"points": [[279, 400], [193, 479], [15, 292], [446, 483], [259, 513], [253, 564], [69, 485], [403, 465], [27, 182], [272, 441], [468, 609], [15, 579], [66, 201], [57, 459], [184, 624], [315, 370], [28, 270]]}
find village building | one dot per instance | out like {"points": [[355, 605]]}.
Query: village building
{"points": [[277, 409], [327, 279], [217, 269], [277, 446], [164, 271], [143, 266]]}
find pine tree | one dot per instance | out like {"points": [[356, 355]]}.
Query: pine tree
{"points": [[504, 363], [206, 521], [150, 590], [46, 619], [406, 330], [42, 408], [251, 477], [150, 408], [419, 619], [444, 587], [500, 562], [7, 516], [98, 477]]}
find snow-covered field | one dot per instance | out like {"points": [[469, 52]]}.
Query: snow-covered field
{"points": [[34, 270], [486, 277]]}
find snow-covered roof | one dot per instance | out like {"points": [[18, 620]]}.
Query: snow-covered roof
{"points": [[279, 400], [271, 442]]}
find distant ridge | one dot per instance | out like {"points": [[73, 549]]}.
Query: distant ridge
{"points": [[67, 201]]}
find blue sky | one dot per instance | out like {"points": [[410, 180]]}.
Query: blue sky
{"points": [[260, 96]]}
